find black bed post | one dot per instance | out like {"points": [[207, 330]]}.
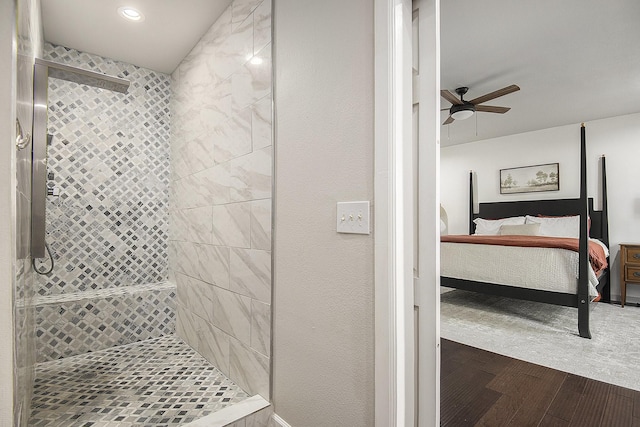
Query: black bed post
{"points": [[583, 273], [605, 209], [471, 230], [606, 296]]}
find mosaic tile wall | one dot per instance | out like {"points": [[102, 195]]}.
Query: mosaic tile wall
{"points": [[108, 228], [110, 160], [73, 324], [221, 162]]}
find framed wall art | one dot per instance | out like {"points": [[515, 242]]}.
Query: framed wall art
{"points": [[530, 179]]}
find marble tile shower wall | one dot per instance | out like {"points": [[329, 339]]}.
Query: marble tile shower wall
{"points": [[110, 157], [108, 229], [220, 195]]}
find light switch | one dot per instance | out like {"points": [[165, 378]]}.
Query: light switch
{"points": [[353, 217]]}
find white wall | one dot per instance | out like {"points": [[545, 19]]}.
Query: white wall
{"points": [[617, 138], [323, 371]]}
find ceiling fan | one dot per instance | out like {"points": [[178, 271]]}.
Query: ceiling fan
{"points": [[462, 109]]}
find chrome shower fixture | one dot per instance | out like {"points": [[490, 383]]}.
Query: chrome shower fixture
{"points": [[85, 77], [44, 69]]}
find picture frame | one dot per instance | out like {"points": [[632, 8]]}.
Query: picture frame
{"points": [[529, 179]]}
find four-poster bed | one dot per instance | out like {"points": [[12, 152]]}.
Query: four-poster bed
{"points": [[592, 224]]}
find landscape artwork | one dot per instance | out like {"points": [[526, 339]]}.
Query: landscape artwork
{"points": [[530, 179]]}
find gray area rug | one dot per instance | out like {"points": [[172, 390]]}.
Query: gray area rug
{"points": [[547, 334]]}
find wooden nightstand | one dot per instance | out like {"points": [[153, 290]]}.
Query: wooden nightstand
{"points": [[629, 267]]}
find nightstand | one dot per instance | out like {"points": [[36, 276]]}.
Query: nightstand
{"points": [[629, 267]]}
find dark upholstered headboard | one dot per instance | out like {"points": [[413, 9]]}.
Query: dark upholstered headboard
{"points": [[554, 207]]}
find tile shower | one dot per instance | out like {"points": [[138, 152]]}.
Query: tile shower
{"points": [[163, 221], [107, 230]]}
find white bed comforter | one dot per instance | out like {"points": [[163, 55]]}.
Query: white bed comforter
{"points": [[547, 269]]}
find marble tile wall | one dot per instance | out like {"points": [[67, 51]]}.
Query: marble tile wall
{"points": [[220, 195], [84, 322], [108, 229], [110, 160], [29, 45]]}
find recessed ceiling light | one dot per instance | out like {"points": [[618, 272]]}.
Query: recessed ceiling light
{"points": [[131, 14]]}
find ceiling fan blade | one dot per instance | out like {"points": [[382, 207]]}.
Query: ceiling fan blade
{"points": [[449, 120], [492, 109], [450, 97], [495, 94]]}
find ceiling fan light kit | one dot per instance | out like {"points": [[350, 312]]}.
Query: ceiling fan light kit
{"points": [[461, 112], [461, 109]]}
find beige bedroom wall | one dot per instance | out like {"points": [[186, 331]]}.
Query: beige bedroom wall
{"points": [[323, 371], [616, 137]]}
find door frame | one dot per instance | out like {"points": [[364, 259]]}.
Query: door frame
{"points": [[395, 346], [427, 286]]}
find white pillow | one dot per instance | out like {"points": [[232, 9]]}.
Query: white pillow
{"points": [[519, 230], [559, 226], [491, 227]]}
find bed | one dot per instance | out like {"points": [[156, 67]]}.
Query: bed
{"points": [[561, 276]]}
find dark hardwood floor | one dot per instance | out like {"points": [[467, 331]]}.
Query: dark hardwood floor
{"points": [[480, 388]]}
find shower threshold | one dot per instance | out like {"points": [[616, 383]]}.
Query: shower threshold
{"points": [[156, 382]]}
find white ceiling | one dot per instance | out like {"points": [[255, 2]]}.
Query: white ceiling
{"points": [[574, 60], [170, 30]]}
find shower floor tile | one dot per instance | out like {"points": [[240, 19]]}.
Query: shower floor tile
{"points": [[157, 382]]}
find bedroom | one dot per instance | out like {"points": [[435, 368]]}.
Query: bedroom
{"points": [[590, 78]]}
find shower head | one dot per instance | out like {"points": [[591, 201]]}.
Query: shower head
{"points": [[85, 77]]}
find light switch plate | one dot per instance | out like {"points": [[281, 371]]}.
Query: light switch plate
{"points": [[353, 217]]}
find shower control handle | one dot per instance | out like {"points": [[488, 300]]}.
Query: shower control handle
{"points": [[22, 139]]}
